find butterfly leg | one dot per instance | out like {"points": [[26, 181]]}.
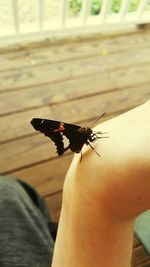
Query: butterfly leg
{"points": [[81, 156], [96, 135], [66, 148], [93, 149]]}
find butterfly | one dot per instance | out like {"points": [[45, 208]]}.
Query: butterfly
{"points": [[77, 135]]}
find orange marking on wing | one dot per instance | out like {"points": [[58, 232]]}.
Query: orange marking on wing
{"points": [[60, 129]]}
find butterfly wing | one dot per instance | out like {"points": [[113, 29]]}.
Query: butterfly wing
{"points": [[45, 126], [48, 128], [58, 140], [55, 129], [76, 136]]}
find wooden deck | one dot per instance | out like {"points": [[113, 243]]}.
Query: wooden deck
{"points": [[72, 80]]}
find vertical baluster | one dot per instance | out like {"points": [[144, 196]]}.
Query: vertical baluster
{"points": [[40, 14], [15, 15], [64, 8], [85, 11], [124, 8], [106, 6], [141, 8]]}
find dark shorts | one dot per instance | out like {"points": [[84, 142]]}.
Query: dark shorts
{"points": [[26, 231]]}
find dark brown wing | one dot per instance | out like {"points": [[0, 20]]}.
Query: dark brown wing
{"points": [[47, 127], [55, 129], [77, 137], [58, 140]]}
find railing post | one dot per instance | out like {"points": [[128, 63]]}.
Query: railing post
{"points": [[63, 10], [40, 14], [79, 23], [15, 15], [141, 8], [85, 12], [124, 8], [106, 6]]}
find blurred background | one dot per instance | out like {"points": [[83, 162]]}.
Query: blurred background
{"points": [[71, 61]]}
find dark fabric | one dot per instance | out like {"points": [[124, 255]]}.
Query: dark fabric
{"points": [[40, 203], [25, 238]]}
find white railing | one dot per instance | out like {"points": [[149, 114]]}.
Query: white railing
{"points": [[42, 21]]}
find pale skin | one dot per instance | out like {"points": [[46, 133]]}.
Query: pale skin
{"points": [[103, 196]]}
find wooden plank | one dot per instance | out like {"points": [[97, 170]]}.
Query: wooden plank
{"points": [[132, 76], [33, 149], [47, 42], [25, 152], [136, 241], [73, 89], [140, 255], [84, 109], [18, 125], [143, 264], [42, 75], [109, 103], [46, 177], [54, 205], [54, 93], [29, 57], [76, 38]]}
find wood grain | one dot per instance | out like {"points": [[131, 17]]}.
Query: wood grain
{"points": [[53, 73], [140, 255], [48, 54], [70, 90], [111, 102], [46, 177]]}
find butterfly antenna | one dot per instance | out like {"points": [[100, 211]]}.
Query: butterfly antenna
{"points": [[97, 119]]}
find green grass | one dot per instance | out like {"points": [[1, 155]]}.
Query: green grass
{"points": [[75, 6]]}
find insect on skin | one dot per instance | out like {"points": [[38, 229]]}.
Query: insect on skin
{"points": [[77, 135]]}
